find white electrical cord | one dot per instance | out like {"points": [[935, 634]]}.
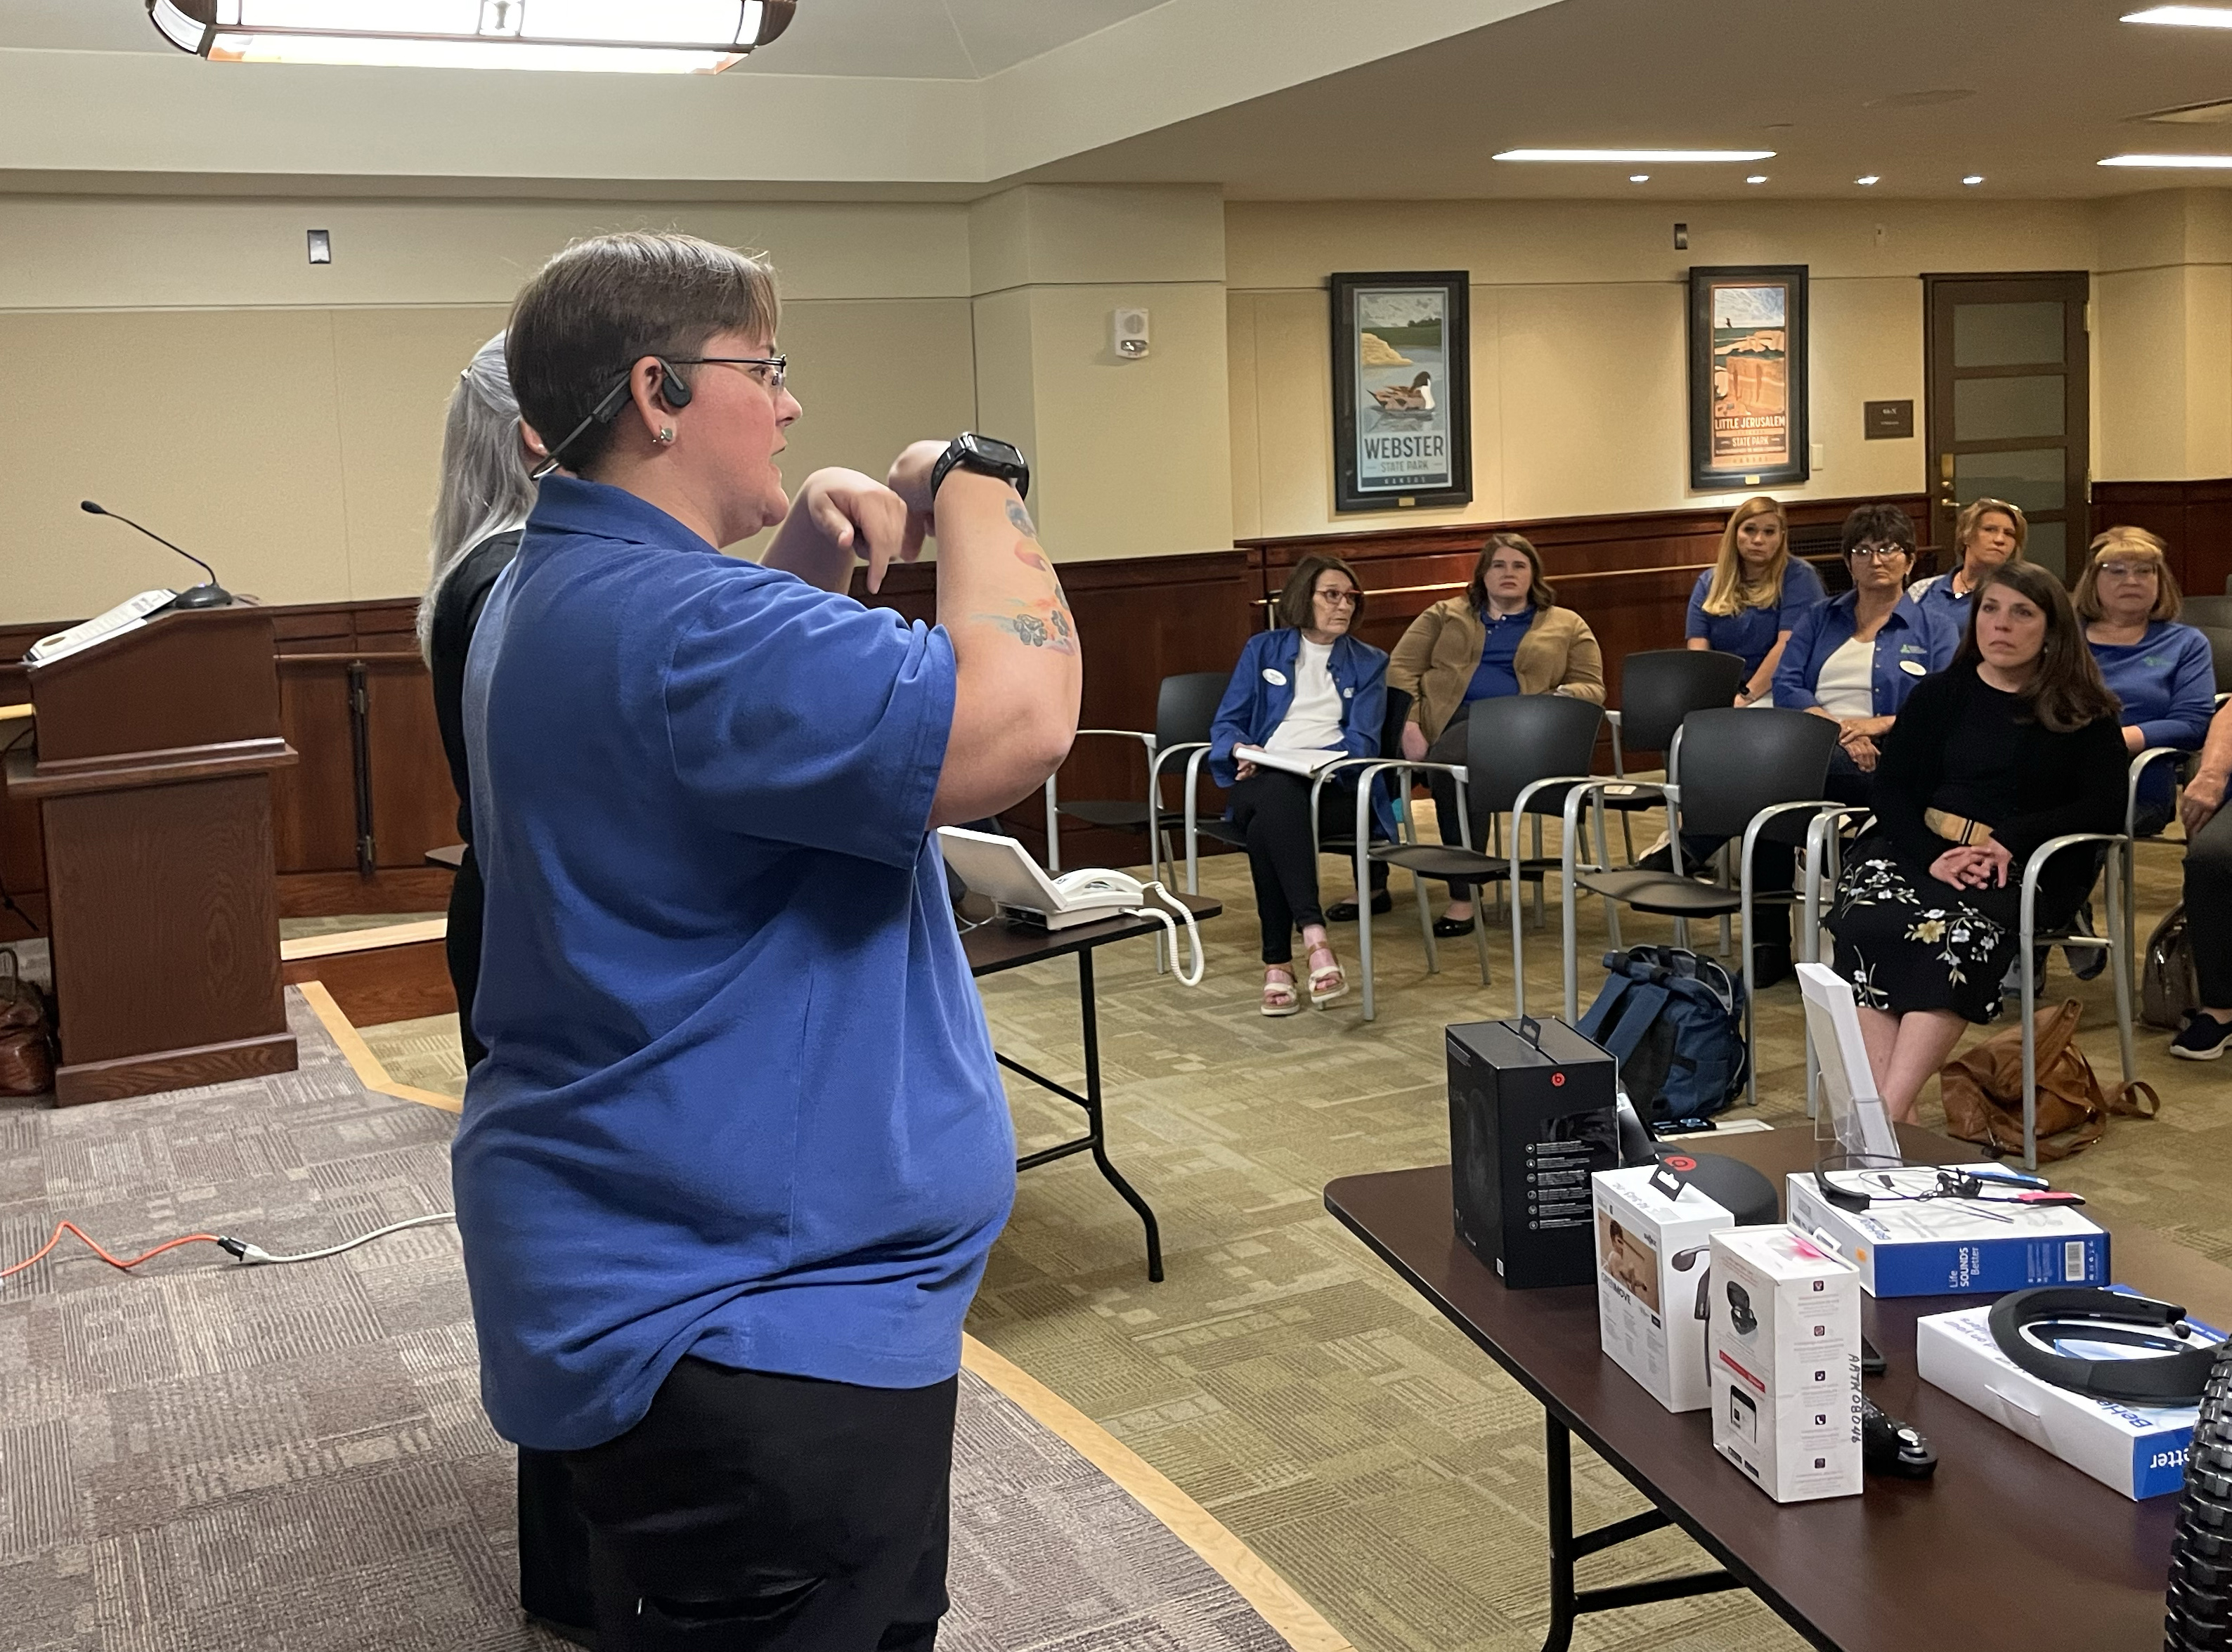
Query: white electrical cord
{"points": [[253, 1255], [1193, 930]]}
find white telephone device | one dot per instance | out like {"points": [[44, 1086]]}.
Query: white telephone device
{"points": [[999, 867]]}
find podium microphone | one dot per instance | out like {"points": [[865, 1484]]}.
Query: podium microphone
{"points": [[208, 594]]}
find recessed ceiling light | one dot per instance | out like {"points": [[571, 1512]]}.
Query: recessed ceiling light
{"points": [[2207, 163], [1756, 178], [2184, 17], [1667, 156], [676, 37], [1870, 178], [1973, 178], [1639, 178]]}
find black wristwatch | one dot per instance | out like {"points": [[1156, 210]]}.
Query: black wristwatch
{"points": [[986, 454]]}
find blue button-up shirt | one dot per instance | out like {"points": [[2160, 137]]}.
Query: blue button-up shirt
{"points": [[1751, 632], [1907, 648], [739, 1101]]}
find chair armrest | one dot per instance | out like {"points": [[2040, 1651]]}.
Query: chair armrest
{"points": [[2035, 866], [1148, 739], [2140, 764]]}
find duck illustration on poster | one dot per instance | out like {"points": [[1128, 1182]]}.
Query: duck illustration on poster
{"points": [[1402, 420]]}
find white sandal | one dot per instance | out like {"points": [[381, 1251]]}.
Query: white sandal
{"points": [[1326, 981], [1280, 997]]}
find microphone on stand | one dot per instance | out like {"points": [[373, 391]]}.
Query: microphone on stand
{"points": [[208, 594]]}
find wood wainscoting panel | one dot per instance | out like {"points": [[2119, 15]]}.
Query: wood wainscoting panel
{"points": [[2194, 518]]}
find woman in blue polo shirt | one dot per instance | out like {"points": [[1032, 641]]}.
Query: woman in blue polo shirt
{"points": [[1987, 533], [728, 1176], [1748, 602], [1307, 686], [1854, 658], [2163, 672]]}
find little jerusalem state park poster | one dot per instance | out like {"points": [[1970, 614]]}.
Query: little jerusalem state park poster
{"points": [[1748, 377], [1402, 402]]}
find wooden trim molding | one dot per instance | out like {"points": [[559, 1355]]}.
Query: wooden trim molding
{"points": [[369, 1070], [2194, 518]]}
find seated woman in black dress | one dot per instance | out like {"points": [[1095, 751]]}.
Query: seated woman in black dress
{"points": [[2017, 742]]}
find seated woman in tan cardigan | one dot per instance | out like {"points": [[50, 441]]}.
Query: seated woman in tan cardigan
{"points": [[1505, 635]]}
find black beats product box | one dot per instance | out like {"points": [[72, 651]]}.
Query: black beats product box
{"points": [[1531, 1119]]}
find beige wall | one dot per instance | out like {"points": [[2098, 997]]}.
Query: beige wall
{"points": [[2163, 332]]}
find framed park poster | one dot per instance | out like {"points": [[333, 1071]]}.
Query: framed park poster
{"points": [[1748, 350], [1402, 391]]}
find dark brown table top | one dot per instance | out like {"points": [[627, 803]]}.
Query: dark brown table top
{"points": [[2007, 1547], [997, 944]]}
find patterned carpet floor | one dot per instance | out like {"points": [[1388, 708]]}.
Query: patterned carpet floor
{"points": [[1281, 1375], [201, 1457]]}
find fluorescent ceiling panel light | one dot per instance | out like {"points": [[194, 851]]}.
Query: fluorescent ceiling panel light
{"points": [[1756, 178], [1670, 157], [1871, 179], [2184, 17], [620, 36], [1973, 179], [1639, 178], [2205, 163]]}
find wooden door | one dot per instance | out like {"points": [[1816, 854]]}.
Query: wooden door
{"points": [[2008, 406]]}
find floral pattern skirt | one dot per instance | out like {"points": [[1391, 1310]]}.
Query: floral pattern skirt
{"points": [[1908, 942]]}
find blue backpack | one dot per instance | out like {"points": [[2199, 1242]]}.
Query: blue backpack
{"points": [[1674, 1022]]}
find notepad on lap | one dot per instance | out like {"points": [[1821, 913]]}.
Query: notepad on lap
{"points": [[1305, 763]]}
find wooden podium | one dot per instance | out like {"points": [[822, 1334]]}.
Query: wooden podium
{"points": [[153, 781]]}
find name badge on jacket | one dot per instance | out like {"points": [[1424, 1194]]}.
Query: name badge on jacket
{"points": [[1274, 676], [1914, 667]]}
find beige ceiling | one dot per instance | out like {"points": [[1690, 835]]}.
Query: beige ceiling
{"points": [[1328, 99]]}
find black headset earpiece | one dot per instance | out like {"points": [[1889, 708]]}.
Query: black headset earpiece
{"points": [[671, 388]]}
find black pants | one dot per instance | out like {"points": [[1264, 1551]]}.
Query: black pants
{"points": [[1273, 808], [1773, 869], [753, 1512], [462, 948], [1849, 783], [2208, 908]]}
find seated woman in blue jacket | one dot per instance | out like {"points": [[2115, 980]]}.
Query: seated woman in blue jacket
{"points": [[2163, 672], [1854, 658], [1750, 600], [1305, 687]]}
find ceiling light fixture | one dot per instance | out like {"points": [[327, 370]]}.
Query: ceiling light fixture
{"points": [[638, 37], [1973, 179], [1671, 157], [1871, 179], [2184, 17], [1639, 178], [1756, 178], [2206, 163]]}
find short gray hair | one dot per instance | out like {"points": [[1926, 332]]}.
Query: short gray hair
{"points": [[486, 488]]}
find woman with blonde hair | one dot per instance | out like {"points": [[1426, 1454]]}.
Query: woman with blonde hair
{"points": [[1987, 533], [1749, 600], [2163, 672], [1505, 634]]}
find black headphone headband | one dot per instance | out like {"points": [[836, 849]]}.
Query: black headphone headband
{"points": [[2176, 1374]]}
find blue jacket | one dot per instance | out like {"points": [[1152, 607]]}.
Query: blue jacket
{"points": [[1908, 648], [1254, 705]]}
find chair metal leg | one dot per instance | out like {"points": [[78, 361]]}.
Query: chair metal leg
{"points": [[1364, 893], [2118, 929], [1751, 1043], [1053, 829], [1569, 963], [1518, 951], [1426, 924], [1604, 859], [2028, 927], [1538, 855]]}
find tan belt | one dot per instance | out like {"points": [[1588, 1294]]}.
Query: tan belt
{"points": [[1954, 828]]}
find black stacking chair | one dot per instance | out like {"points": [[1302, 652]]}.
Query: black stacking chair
{"points": [[1391, 740], [1523, 753], [2212, 612], [1657, 691], [2220, 649], [1748, 773], [1185, 707]]}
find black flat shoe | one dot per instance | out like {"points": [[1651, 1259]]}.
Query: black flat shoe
{"points": [[1770, 966], [1344, 912], [1448, 929]]}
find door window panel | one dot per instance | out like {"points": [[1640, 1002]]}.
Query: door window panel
{"points": [[2006, 335], [2047, 545], [2006, 409], [2032, 478]]}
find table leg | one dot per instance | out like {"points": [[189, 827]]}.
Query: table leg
{"points": [[1096, 1131], [1569, 1603]]}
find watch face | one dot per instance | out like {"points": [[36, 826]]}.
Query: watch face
{"points": [[992, 450]]}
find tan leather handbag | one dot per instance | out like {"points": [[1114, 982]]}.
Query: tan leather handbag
{"points": [[1982, 1090], [27, 1057]]}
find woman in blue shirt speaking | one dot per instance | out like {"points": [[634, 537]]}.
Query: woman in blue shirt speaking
{"points": [[2163, 672], [1856, 658], [1748, 602], [1300, 692], [727, 1174]]}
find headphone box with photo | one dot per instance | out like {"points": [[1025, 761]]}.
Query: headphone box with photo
{"points": [[2139, 1451], [1937, 1247], [1532, 1117], [1654, 1263], [1785, 1338]]}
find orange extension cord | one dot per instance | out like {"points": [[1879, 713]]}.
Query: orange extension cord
{"points": [[63, 1227]]}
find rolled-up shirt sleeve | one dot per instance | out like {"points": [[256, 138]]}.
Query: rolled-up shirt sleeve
{"points": [[798, 715]]}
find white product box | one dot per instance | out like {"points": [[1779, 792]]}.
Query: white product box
{"points": [[1785, 1373], [2139, 1451], [1653, 1259], [1944, 1246]]}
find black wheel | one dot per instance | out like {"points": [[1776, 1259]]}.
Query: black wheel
{"points": [[2197, 1597]]}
